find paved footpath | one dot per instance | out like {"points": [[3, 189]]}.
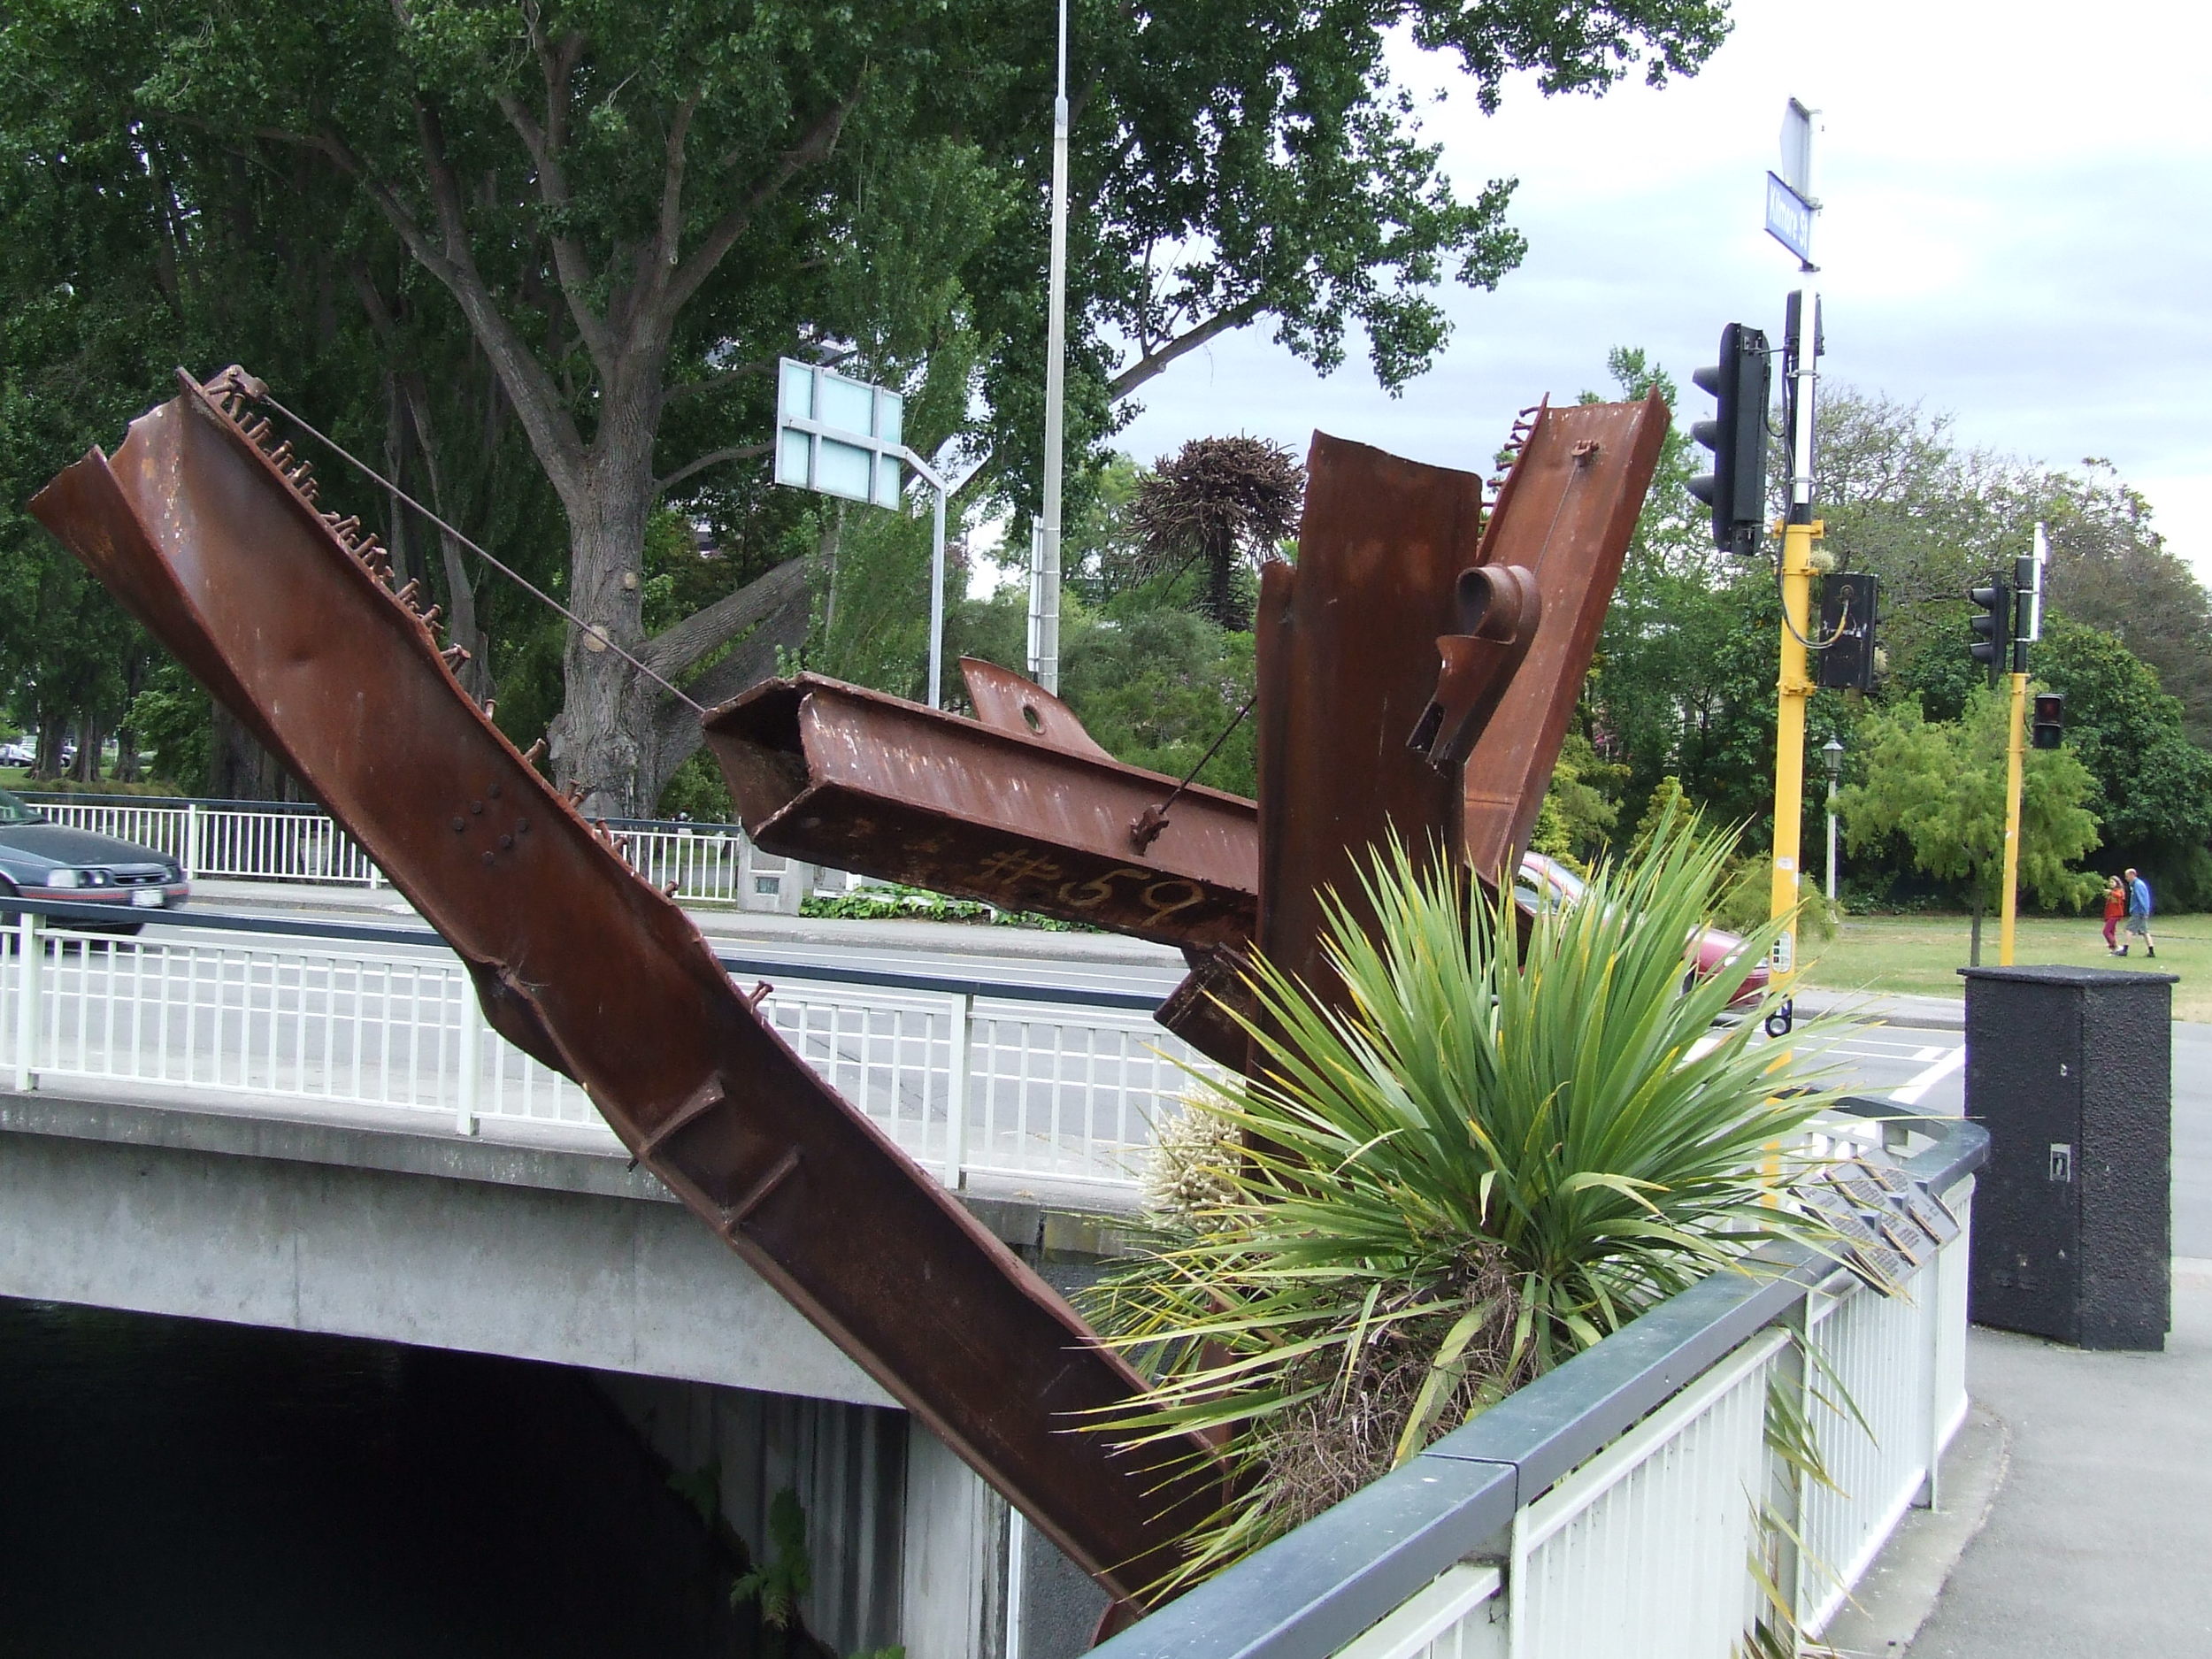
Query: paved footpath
{"points": [[2099, 1539]]}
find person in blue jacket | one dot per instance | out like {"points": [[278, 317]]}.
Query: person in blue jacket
{"points": [[2140, 915]]}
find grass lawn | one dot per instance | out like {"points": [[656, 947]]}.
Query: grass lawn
{"points": [[1922, 953]]}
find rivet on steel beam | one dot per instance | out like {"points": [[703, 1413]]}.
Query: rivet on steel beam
{"points": [[430, 616], [406, 596], [536, 753], [488, 858], [459, 824]]}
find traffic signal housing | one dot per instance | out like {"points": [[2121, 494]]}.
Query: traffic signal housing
{"points": [[1736, 489], [1993, 625], [1848, 600], [2049, 723]]}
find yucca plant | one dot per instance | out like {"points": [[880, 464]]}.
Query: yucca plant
{"points": [[1504, 1143]]}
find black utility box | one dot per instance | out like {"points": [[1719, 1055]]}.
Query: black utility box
{"points": [[2071, 1069]]}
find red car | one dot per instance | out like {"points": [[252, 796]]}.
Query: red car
{"points": [[1718, 951]]}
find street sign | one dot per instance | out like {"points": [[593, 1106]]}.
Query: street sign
{"points": [[1789, 218], [1797, 150], [845, 437], [837, 435]]}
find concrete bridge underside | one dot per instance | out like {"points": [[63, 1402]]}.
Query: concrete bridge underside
{"points": [[556, 1252]]}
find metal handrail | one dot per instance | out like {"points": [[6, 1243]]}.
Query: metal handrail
{"points": [[311, 808], [379, 934], [1312, 1591]]}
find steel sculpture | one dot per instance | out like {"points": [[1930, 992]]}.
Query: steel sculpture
{"points": [[1417, 669], [207, 529]]}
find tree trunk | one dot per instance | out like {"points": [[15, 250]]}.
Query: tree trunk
{"points": [[461, 625], [239, 769], [53, 730], [597, 738], [91, 740]]}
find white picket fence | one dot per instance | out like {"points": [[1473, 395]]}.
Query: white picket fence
{"points": [[237, 840], [1025, 1087]]}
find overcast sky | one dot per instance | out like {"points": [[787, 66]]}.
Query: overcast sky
{"points": [[2017, 231]]}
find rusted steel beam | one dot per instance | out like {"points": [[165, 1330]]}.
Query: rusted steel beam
{"points": [[1028, 816], [1566, 512], [284, 613], [1348, 675]]}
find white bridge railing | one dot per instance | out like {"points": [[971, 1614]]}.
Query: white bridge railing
{"points": [[1648, 1497], [1029, 1085], [244, 840]]}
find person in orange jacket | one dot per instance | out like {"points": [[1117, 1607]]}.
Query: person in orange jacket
{"points": [[2116, 906]]}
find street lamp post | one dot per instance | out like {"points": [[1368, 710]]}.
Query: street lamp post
{"points": [[1832, 751]]}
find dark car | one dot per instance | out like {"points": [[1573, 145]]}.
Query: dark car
{"points": [[44, 860], [1718, 951]]}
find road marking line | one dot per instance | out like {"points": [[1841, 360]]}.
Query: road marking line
{"points": [[1922, 1082]]}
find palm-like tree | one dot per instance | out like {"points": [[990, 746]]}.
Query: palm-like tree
{"points": [[1221, 503], [1494, 1154]]}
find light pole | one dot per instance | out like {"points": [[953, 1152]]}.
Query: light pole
{"points": [[1832, 751], [1044, 571]]}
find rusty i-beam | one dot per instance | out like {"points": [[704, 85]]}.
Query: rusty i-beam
{"points": [[1418, 666], [1412, 641]]}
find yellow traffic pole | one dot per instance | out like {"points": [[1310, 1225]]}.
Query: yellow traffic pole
{"points": [[2010, 902], [1792, 687]]}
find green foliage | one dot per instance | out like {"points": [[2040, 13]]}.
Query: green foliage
{"points": [[1482, 1163], [1940, 788], [698, 791], [787, 1572], [1578, 813], [538, 260], [2153, 793], [1157, 686], [889, 900], [172, 718]]}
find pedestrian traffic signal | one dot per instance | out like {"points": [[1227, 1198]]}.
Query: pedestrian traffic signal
{"points": [[1736, 489], [1993, 627], [1847, 607], [2050, 719]]}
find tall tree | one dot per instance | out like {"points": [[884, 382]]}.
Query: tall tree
{"points": [[1222, 504], [1940, 788], [633, 210]]}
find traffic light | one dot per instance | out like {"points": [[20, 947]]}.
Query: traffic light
{"points": [[1736, 489], [2050, 719], [1847, 607], [1992, 628]]}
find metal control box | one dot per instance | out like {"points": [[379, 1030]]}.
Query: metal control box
{"points": [[2070, 1071]]}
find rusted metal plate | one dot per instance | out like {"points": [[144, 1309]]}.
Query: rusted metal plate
{"points": [[1566, 512], [1005, 701], [1347, 670], [282, 613], [1026, 820]]}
